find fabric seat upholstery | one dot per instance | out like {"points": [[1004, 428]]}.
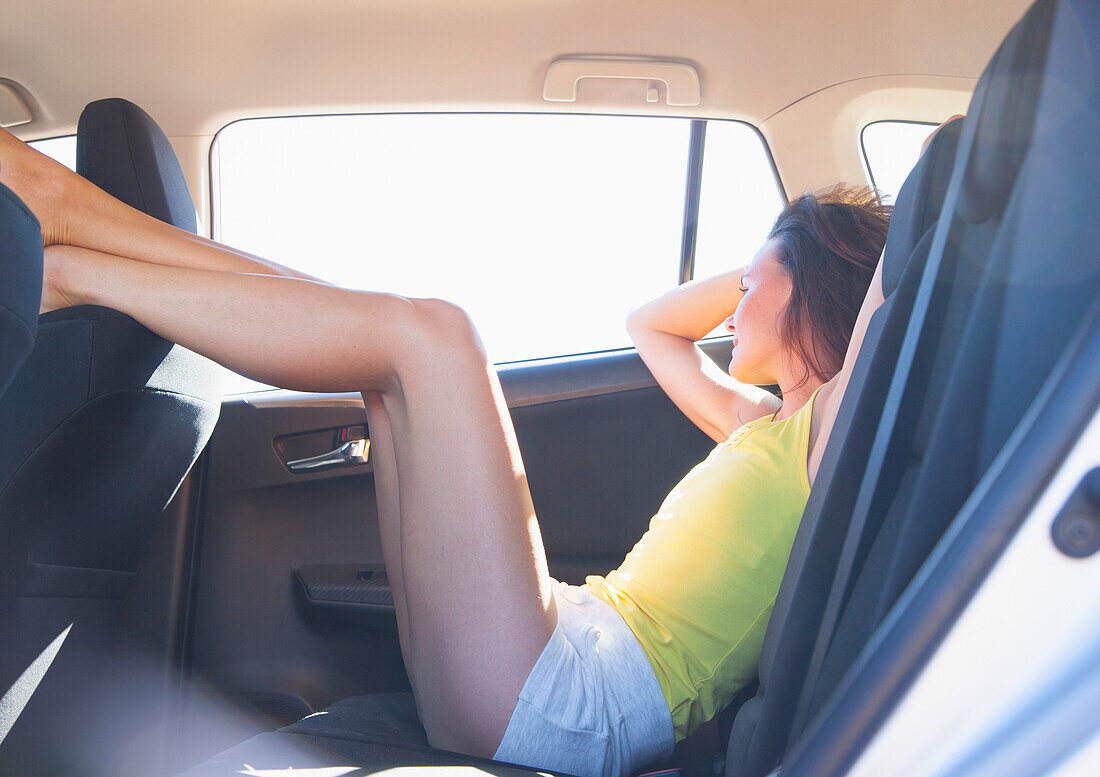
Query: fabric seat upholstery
{"points": [[1026, 245], [100, 427], [105, 418], [1016, 281], [762, 724]]}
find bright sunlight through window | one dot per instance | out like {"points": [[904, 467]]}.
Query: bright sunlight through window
{"points": [[62, 149], [546, 228], [891, 148]]}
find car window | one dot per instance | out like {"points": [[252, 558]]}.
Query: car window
{"points": [[546, 228], [63, 149], [738, 199], [890, 149]]}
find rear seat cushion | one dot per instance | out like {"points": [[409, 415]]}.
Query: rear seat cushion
{"points": [[378, 732], [386, 718]]}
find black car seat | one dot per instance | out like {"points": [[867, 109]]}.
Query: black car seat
{"points": [[20, 296], [99, 429], [1027, 185], [1012, 277], [20, 284]]}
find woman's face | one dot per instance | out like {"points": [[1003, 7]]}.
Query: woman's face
{"points": [[759, 354]]}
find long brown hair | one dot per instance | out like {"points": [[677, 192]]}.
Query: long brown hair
{"points": [[829, 244]]}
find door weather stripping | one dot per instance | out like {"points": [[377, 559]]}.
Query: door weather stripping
{"points": [[680, 80]]}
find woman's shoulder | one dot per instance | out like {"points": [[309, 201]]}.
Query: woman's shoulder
{"points": [[752, 407]]}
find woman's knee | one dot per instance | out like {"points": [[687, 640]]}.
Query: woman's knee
{"points": [[446, 330]]}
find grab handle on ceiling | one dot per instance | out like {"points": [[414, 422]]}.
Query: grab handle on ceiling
{"points": [[681, 81], [13, 107]]}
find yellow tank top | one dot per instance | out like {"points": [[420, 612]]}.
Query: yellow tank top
{"points": [[698, 588]]}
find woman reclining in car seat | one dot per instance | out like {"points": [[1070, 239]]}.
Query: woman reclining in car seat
{"points": [[505, 662]]}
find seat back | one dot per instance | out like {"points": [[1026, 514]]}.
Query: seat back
{"points": [[763, 723], [1026, 242], [20, 284], [100, 427], [1015, 276], [105, 418]]}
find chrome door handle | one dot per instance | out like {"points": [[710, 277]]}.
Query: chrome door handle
{"points": [[350, 454]]}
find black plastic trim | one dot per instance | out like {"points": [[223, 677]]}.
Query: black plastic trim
{"points": [[364, 587], [692, 188]]}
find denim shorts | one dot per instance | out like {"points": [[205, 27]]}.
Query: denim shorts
{"points": [[591, 705]]}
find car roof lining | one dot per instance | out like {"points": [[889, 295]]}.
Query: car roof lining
{"points": [[256, 58]]}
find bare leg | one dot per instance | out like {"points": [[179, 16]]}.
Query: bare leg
{"points": [[387, 495], [73, 211], [476, 591], [475, 587]]}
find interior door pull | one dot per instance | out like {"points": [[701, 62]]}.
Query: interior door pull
{"points": [[680, 80], [351, 454]]}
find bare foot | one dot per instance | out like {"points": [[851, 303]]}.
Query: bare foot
{"points": [[42, 183]]}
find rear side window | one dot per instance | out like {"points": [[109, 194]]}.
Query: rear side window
{"points": [[546, 228], [890, 149]]}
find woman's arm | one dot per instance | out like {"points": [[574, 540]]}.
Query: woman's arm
{"points": [[665, 331]]}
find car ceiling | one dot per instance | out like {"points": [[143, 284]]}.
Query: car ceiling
{"points": [[199, 64]]}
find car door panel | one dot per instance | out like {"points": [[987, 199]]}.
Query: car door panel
{"points": [[601, 443]]}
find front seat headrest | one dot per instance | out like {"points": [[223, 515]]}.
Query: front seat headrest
{"points": [[122, 150], [20, 283], [919, 202]]}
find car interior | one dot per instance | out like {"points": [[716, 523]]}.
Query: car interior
{"points": [[192, 581]]}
